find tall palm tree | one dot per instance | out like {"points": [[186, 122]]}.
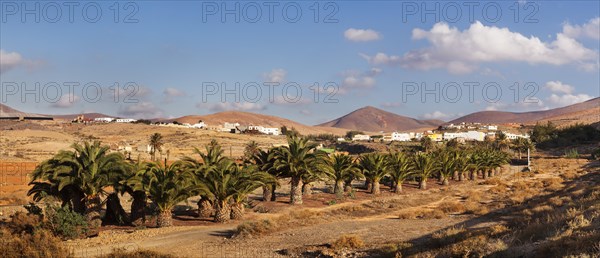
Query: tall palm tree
{"points": [[167, 185], [424, 167], [426, 143], [137, 190], [374, 166], [296, 161], [250, 150], [400, 169], [156, 143], [462, 164], [339, 168], [264, 161]]}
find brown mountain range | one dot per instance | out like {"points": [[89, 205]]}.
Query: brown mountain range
{"points": [[374, 120], [585, 112]]}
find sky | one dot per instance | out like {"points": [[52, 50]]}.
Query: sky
{"points": [[308, 61]]}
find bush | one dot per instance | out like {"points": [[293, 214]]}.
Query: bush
{"points": [[348, 241], [255, 228], [65, 223], [120, 253], [40, 243], [572, 154]]}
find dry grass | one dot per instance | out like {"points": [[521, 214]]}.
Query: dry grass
{"points": [[421, 213], [348, 242], [121, 253], [453, 207]]}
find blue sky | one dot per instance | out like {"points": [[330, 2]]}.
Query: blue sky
{"points": [[373, 51]]}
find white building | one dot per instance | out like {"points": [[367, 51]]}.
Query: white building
{"points": [[361, 137], [227, 127], [469, 136], [395, 136], [492, 127], [198, 125], [104, 119], [125, 120], [512, 136], [265, 130]]}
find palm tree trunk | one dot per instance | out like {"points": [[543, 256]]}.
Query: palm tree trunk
{"points": [[423, 183], [473, 175], [164, 219], [92, 212], [455, 176], [348, 185], [461, 176], [273, 195], [445, 181], [205, 208], [222, 212], [138, 208], [375, 188], [484, 173], [237, 210], [338, 189], [368, 184], [490, 173], [267, 191], [115, 214], [398, 187], [296, 191], [78, 201], [306, 189]]}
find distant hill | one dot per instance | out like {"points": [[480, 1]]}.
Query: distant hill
{"points": [[86, 115], [590, 108], [246, 118], [8, 112], [374, 120]]}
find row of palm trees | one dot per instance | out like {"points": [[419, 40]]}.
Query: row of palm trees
{"points": [[82, 177]]}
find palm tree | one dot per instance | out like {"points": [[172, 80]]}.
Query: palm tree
{"points": [[133, 185], [167, 186], [339, 168], [424, 167], [250, 151], [462, 164], [400, 169], [156, 143], [295, 160], [374, 166], [229, 185], [264, 161], [521, 145], [447, 165], [208, 160], [426, 143], [81, 174]]}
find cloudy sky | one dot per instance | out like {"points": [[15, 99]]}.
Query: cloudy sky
{"points": [[306, 61]]}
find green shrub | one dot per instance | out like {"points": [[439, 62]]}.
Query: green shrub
{"points": [[572, 154], [65, 223]]}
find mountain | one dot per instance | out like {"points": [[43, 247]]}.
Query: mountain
{"points": [[589, 109], [246, 118], [8, 112], [372, 119]]}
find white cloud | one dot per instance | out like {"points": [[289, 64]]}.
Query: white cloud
{"points": [[381, 59], [462, 51], [567, 99], [361, 35], [357, 80], [144, 110], [66, 101], [591, 29], [12, 60], [559, 87], [227, 106], [171, 94], [437, 115], [275, 75]]}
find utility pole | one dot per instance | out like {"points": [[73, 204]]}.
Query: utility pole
{"points": [[528, 161]]}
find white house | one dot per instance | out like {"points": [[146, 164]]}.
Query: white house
{"points": [[512, 136], [198, 125], [492, 127], [469, 136], [125, 120], [265, 130], [361, 137], [395, 136], [227, 127], [104, 119]]}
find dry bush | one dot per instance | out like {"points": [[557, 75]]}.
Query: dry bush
{"points": [[498, 229], [452, 207], [474, 196], [493, 181], [348, 242], [255, 228], [475, 208], [449, 235], [553, 184], [555, 201], [41, 243], [421, 213], [121, 253]]}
